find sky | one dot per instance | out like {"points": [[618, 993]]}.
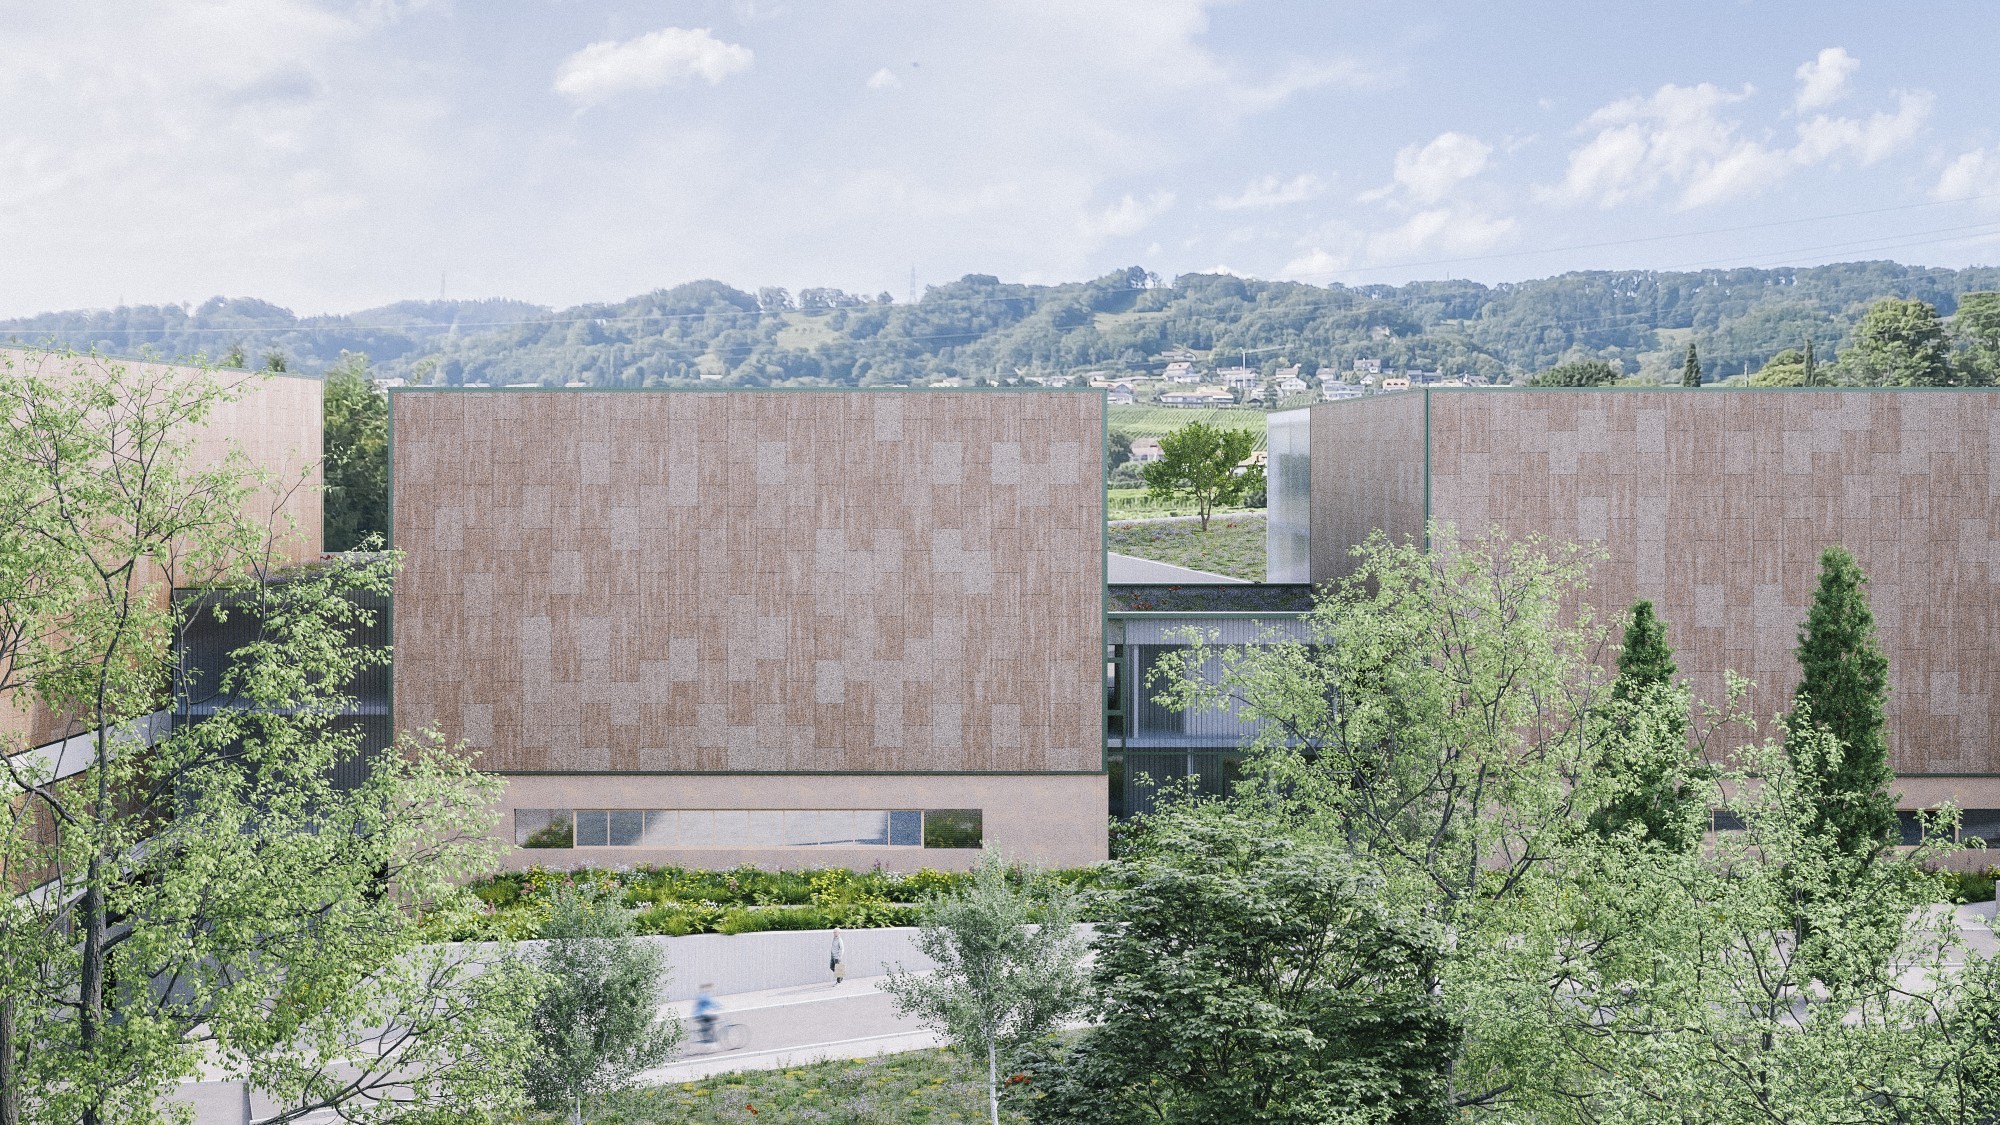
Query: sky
{"points": [[332, 155]]}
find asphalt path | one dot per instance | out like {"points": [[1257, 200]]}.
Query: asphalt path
{"points": [[788, 1026]]}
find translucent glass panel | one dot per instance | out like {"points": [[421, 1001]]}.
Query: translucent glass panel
{"points": [[746, 828], [1288, 511]]}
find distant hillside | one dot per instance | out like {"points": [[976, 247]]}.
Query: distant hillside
{"points": [[980, 327]]}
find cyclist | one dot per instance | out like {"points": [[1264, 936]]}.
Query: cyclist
{"points": [[705, 1009]]}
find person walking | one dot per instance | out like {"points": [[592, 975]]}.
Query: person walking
{"points": [[838, 962]]}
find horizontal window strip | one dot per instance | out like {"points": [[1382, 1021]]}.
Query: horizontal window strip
{"points": [[747, 828]]}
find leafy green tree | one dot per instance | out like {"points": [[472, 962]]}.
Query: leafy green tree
{"points": [[1691, 369], [1204, 465], [1902, 343], [357, 456], [274, 361], [235, 357], [1977, 327], [598, 1022], [1771, 977], [1001, 982], [1582, 373], [1246, 976], [1442, 721], [1786, 369], [288, 915], [1657, 791], [1845, 686], [1121, 448]]}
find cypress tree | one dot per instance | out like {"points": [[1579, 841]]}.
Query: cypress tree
{"points": [[1646, 658], [1843, 689], [1654, 783], [1691, 370], [1812, 366]]}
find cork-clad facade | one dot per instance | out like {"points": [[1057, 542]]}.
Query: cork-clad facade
{"points": [[759, 602], [1716, 504], [274, 421]]}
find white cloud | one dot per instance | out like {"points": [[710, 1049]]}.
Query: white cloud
{"points": [[1316, 264], [884, 79], [1973, 175], [1429, 172], [1823, 80], [1270, 191], [1868, 141], [1128, 216], [671, 54], [1686, 139], [1440, 230]]}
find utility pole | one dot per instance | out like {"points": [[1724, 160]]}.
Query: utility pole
{"points": [[913, 285]]}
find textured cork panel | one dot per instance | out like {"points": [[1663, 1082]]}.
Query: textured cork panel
{"points": [[1367, 473], [751, 581], [277, 424], [1717, 504]]}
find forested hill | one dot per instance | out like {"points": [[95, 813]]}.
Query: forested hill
{"points": [[980, 327]]}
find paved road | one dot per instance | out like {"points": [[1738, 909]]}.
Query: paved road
{"points": [[788, 1026]]}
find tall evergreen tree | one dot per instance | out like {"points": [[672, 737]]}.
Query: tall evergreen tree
{"points": [[1843, 688], [1656, 789], [1812, 365], [1646, 658], [1691, 370]]}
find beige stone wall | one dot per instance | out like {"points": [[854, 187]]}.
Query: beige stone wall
{"points": [[751, 582], [1716, 505], [1047, 819], [1367, 473], [277, 423]]}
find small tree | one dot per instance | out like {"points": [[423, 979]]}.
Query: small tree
{"points": [[1204, 464], [1691, 369], [598, 1023], [1001, 982], [1845, 684], [1656, 788], [357, 456]]}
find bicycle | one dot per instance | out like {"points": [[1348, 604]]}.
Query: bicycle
{"points": [[724, 1036]]}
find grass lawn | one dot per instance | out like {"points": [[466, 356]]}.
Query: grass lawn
{"points": [[1232, 545], [915, 1088], [1159, 421]]}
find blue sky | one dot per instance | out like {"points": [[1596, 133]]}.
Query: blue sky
{"points": [[334, 155]]}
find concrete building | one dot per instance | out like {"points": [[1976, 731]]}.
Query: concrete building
{"points": [[1715, 505], [788, 628]]}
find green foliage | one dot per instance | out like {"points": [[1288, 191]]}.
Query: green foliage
{"points": [[978, 325], [357, 456], [1656, 789], [598, 1020], [1844, 688], [1582, 373], [1901, 343], [1774, 977], [1244, 976], [1786, 369], [1001, 982], [1645, 659], [292, 916], [1203, 464], [1691, 369], [1233, 545], [1977, 327]]}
